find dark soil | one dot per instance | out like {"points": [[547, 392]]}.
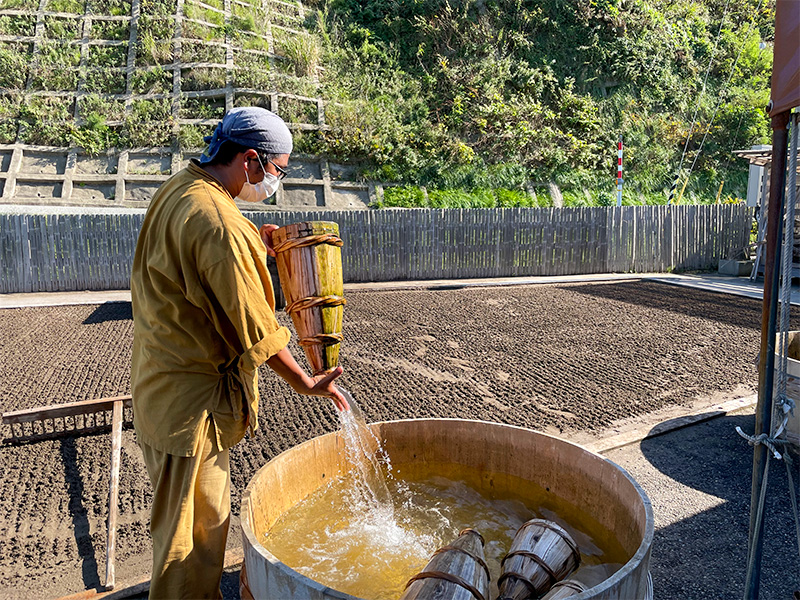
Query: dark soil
{"points": [[566, 358]]}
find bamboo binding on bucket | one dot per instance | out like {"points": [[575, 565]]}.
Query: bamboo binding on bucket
{"points": [[457, 572], [309, 260], [541, 555]]}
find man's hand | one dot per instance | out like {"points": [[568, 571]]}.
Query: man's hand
{"points": [[266, 237], [284, 364], [323, 386]]}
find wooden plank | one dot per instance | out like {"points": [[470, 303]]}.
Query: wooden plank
{"points": [[113, 495], [8, 260], [64, 410]]}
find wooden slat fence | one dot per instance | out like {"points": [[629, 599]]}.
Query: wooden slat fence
{"points": [[64, 252]]}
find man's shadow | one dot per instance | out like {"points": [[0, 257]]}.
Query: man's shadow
{"points": [[79, 514]]}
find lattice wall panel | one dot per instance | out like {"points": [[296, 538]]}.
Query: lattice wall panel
{"points": [[101, 100]]}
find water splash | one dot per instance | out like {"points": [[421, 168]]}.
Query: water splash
{"points": [[365, 452]]}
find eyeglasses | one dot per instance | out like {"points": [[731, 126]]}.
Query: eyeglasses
{"points": [[281, 172]]}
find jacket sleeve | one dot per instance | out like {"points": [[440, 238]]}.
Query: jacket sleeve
{"points": [[240, 303]]}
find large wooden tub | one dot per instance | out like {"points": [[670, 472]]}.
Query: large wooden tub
{"points": [[504, 456]]}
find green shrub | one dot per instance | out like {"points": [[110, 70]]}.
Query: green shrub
{"points": [[14, 63], [55, 68], [151, 81], [191, 137], [66, 6], [110, 30], [201, 52], [252, 71], [108, 56], [158, 7], [8, 132], [115, 8], [22, 25], [104, 80], [95, 137], [152, 51], [62, 29], [437, 93], [302, 51], [109, 109], [202, 108], [193, 11], [404, 197], [28, 5], [203, 78]]}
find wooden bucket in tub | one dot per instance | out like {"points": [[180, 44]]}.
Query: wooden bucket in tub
{"points": [[309, 259], [541, 555], [456, 572], [565, 589]]}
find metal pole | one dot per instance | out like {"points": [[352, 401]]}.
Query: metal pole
{"points": [[619, 171], [683, 189], [672, 189], [766, 363]]}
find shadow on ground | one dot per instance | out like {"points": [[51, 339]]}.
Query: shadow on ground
{"points": [[730, 310], [110, 311], [701, 497]]}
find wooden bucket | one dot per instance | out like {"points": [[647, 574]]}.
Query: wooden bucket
{"points": [[309, 259], [455, 572], [565, 589], [541, 555]]}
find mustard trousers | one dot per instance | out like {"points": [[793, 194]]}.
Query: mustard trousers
{"points": [[189, 519]]}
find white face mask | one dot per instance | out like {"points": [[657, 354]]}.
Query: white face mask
{"points": [[258, 192]]}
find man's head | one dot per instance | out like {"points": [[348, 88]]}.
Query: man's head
{"points": [[249, 146]]}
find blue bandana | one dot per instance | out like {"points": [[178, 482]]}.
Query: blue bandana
{"points": [[251, 127]]}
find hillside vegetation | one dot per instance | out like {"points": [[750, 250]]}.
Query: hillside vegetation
{"points": [[457, 103], [481, 101]]}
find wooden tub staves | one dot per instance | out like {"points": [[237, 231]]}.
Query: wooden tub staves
{"points": [[309, 259], [541, 555], [456, 572], [500, 457]]}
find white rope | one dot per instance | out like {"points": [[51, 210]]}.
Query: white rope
{"points": [[788, 256], [785, 404], [782, 406], [765, 439]]}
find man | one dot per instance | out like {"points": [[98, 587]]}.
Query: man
{"points": [[203, 313]]}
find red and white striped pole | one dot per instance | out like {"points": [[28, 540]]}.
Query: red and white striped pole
{"points": [[619, 171]]}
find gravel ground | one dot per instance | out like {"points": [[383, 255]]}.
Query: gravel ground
{"points": [[699, 481], [557, 358]]}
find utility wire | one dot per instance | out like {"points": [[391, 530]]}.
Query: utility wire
{"points": [[723, 93], [697, 106]]}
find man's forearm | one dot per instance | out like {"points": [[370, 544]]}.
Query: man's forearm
{"points": [[285, 365]]}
